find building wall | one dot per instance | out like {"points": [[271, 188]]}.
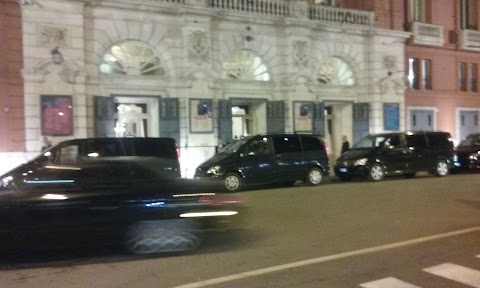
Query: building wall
{"points": [[12, 117], [11, 84], [292, 51], [445, 97]]}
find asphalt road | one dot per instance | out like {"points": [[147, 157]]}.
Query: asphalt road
{"points": [[412, 232]]}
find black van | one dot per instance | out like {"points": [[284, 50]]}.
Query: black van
{"points": [[116, 160], [268, 158], [400, 153]]}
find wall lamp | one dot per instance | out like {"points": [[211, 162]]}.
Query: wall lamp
{"points": [[57, 57]]}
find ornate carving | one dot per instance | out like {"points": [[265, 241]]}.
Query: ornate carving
{"points": [[301, 53], [54, 36], [389, 62], [198, 48]]}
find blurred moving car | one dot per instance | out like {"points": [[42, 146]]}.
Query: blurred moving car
{"points": [[111, 201], [162, 153], [266, 159], [400, 153], [467, 153]]}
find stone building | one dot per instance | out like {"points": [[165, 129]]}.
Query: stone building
{"points": [[205, 72]]}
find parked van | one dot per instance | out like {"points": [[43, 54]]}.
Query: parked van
{"points": [[116, 160], [265, 159], [402, 153]]}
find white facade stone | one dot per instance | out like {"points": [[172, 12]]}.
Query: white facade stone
{"points": [[193, 42]]}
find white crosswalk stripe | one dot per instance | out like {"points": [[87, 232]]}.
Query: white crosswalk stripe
{"points": [[456, 273], [389, 282]]}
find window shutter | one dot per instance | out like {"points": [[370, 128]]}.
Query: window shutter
{"points": [[225, 120], [275, 117], [104, 116]]}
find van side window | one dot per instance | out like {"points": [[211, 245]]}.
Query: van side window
{"points": [[260, 146], [417, 141], [311, 143], [287, 144], [392, 142], [439, 140], [104, 148], [67, 154]]}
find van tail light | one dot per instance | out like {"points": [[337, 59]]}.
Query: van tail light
{"points": [[177, 149]]}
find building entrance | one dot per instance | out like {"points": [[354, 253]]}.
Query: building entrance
{"points": [[248, 118], [136, 117]]}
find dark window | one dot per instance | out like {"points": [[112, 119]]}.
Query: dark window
{"points": [[473, 77], [311, 143], [439, 140], [108, 148], [469, 14], [426, 74], [392, 141], [164, 148], [416, 141], [260, 146], [287, 144], [67, 154], [462, 76]]}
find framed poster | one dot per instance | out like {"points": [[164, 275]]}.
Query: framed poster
{"points": [[391, 116], [302, 116], [201, 115], [56, 115]]}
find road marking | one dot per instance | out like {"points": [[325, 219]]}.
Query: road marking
{"points": [[456, 273], [389, 282], [318, 260]]}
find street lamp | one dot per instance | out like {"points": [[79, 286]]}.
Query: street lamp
{"points": [[57, 57]]}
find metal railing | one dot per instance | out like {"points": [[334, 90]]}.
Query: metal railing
{"points": [[342, 17], [276, 8], [267, 7]]}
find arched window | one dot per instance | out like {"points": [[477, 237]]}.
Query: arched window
{"points": [[246, 65], [131, 58], [335, 72]]}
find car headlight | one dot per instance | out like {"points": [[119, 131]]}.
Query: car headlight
{"points": [[214, 170], [474, 156], [360, 162]]}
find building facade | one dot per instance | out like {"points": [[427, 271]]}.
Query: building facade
{"points": [[12, 118], [205, 72], [443, 58]]}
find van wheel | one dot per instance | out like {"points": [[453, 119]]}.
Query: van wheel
{"points": [[376, 173], [441, 168], [233, 182], [314, 177], [158, 236]]}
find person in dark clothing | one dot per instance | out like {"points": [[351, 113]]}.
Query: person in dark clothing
{"points": [[46, 143], [345, 144]]}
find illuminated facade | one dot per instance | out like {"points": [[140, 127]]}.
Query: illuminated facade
{"points": [[205, 72]]}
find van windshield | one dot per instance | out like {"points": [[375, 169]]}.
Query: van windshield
{"points": [[370, 141], [472, 140], [233, 146]]}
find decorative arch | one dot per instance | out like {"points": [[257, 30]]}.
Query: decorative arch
{"points": [[246, 65], [335, 71], [132, 57]]}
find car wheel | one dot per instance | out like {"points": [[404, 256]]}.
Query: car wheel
{"points": [[232, 182], [314, 176], [160, 236], [441, 168], [376, 173]]}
